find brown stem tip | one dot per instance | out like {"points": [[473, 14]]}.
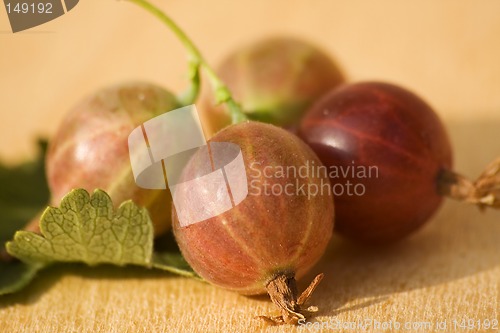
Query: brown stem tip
{"points": [[484, 192], [283, 292]]}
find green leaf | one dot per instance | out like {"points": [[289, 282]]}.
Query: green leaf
{"points": [[14, 276], [24, 192], [174, 263], [87, 229]]}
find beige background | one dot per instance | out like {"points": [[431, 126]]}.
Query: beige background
{"points": [[447, 51]]}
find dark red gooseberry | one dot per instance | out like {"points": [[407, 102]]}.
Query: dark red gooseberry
{"points": [[389, 141]]}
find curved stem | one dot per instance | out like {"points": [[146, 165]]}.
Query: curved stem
{"points": [[189, 96], [222, 93]]}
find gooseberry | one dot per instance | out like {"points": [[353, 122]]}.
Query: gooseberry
{"points": [[90, 148], [275, 80], [389, 159], [273, 236]]}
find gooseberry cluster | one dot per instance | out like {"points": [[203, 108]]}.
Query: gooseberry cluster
{"points": [[382, 140]]}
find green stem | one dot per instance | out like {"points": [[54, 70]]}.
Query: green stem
{"points": [[222, 93], [189, 96]]}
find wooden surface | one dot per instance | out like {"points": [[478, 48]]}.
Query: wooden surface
{"points": [[446, 51]]}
